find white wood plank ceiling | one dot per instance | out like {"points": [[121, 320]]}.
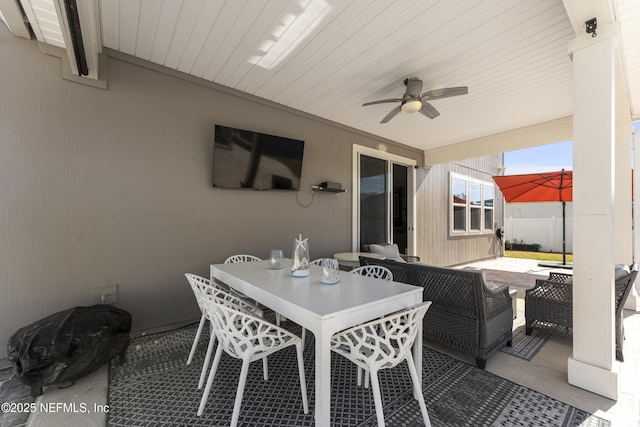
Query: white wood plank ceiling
{"points": [[328, 57], [334, 56]]}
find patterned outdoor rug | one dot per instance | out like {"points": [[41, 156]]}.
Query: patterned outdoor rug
{"points": [[526, 346], [156, 387]]}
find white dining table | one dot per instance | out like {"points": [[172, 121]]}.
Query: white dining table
{"points": [[322, 309]]}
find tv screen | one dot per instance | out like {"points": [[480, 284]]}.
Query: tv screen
{"points": [[246, 159]]}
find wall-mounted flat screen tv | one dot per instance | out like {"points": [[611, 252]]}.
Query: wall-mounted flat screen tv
{"points": [[246, 159]]}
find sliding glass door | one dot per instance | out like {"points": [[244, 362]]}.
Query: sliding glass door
{"points": [[399, 206], [384, 203], [374, 213]]}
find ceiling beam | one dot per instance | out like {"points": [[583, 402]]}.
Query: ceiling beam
{"points": [[11, 14], [557, 130]]}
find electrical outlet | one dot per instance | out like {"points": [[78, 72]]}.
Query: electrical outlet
{"points": [[104, 294]]}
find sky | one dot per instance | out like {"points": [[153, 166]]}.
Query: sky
{"points": [[545, 158]]}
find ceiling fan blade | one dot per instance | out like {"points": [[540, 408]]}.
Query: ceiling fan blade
{"points": [[382, 101], [391, 114], [428, 110], [445, 92]]}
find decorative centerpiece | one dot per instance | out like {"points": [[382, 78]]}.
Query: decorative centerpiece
{"points": [[300, 267]]}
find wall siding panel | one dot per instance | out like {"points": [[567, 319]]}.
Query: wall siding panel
{"points": [[434, 245]]}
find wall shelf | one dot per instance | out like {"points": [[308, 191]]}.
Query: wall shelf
{"points": [[327, 190]]}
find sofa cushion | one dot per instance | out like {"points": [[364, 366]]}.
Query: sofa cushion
{"points": [[487, 283], [390, 252], [621, 271]]}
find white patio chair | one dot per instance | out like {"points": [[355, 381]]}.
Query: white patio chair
{"points": [[247, 337], [384, 343], [241, 258], [377, 271], [203, 289], [199, 285], [234, 259], [250, 258], [318, 262]]}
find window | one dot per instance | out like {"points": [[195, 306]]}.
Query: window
{"points": [[471, 205]]}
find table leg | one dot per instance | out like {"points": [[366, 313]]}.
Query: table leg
{"points": [[323, 379]]}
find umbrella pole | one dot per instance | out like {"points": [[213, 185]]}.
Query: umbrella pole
{"points": [[564, 241]]}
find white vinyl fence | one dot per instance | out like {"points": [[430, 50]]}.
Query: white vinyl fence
{"points": [[547, 232]]}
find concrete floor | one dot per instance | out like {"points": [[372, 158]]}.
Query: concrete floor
{"points": [[546, 372]]}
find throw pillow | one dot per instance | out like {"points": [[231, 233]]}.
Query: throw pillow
{"points": [[390, 252], [621, 271]]}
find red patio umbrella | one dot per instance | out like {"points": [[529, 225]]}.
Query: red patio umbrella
{"points": [[539, 187]]}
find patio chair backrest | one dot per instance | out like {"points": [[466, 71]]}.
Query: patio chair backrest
{"points": [[377, 271], [233, 259], [205, 290], [241, 333], [319, 262], [384, 342], [200, 287]]}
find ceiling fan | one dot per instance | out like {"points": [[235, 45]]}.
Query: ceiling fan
{"points": [[412, 101]]}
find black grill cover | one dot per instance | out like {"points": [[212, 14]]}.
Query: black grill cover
{"points": [[68, 345]]}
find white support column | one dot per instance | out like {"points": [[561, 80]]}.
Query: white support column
{"points": [[623, 203], [623, 253], [633, 300], [592, 365]]}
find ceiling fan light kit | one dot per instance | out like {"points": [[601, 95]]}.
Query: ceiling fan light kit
{"points": [[412, 101], [411, 106]]}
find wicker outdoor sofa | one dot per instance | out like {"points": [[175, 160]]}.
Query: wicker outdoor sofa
{"points": [[549, 304], [467, 314]]}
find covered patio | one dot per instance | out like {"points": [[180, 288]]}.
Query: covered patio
{"points": [[107, 173], [545, 373]]}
